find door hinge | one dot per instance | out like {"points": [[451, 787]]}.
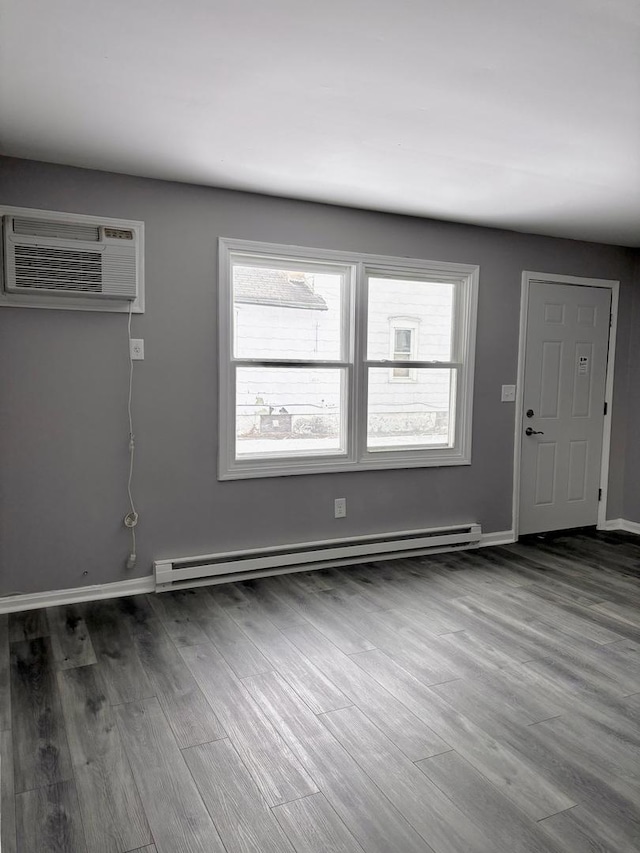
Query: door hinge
{"points": [[599, 494], [605, 408]]}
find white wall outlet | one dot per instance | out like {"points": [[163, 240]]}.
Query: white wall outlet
{"points": [[340, 508], [137, 349], [508, 393]]}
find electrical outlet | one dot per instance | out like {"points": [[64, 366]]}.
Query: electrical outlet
{"points": [[340, 508], [508, 393], [137, 349]]}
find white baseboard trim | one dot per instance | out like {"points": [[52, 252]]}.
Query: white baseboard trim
{"points": [[52, 598], [499, 537], [138, 586], [622, 524]]}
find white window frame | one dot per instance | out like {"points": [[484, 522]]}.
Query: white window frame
{"points": [[353, 360]]}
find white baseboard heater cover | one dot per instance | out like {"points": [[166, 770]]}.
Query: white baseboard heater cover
{"points": [[304, 556]]}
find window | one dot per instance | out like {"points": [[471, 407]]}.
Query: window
{"points": [[307, 340], [402, 349], [403, 341]]}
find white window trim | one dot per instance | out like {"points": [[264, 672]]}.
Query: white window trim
{"points": [[356, 457]]}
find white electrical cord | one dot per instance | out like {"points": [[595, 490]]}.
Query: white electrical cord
{"points": [[131, 518]]}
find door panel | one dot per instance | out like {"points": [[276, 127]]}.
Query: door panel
{"points": [[583, 383], [564, 386], [578, 458], [550, 379], [545, 473]]}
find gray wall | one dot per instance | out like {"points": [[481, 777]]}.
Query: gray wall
{"points": [[63, 386]]}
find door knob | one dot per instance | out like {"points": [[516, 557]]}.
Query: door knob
{"points": [[530, 431]]}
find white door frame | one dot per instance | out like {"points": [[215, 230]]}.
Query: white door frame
{"points": [[552, 278]]}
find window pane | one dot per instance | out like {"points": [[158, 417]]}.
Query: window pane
{"points": [[429, 308], [286, 313], [289, 412], [402, 373], [403, 341], [410, 415]]}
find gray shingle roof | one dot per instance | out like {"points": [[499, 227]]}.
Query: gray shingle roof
{"points": [[286, 289]]}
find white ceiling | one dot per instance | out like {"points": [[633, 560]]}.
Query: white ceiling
{"points": [[523, 114]]}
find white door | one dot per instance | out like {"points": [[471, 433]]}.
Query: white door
{"points": [[563, 405]]}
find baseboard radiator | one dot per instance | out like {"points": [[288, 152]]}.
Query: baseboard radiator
{"points": [[304, 556]]}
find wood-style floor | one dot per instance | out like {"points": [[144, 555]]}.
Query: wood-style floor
{"points": [[479, 701]]}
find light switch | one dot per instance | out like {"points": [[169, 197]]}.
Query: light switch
{"points": [[508, 393]]}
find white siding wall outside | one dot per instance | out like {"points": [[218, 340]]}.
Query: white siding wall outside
{"points": [[397, 406], [415, 406]]}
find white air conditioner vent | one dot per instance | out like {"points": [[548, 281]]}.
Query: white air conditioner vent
{"points": [[61, 230], [47, 268], [86, 262]]}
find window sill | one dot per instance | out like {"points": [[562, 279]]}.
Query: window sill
{"points": [[379, 463]]}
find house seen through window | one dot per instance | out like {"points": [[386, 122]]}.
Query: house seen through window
{"points": [[307, 345]]}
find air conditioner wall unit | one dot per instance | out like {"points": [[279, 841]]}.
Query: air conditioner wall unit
{"points": [[68, 261]]}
